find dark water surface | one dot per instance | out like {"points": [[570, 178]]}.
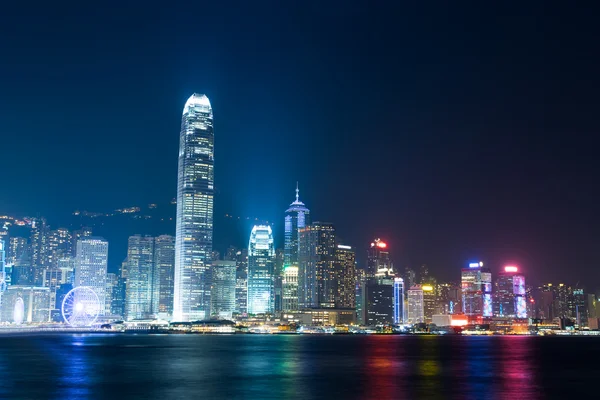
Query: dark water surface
{"points": [[65, 366]]}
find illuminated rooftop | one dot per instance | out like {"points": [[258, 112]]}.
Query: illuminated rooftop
{"points": [[196, 100]]}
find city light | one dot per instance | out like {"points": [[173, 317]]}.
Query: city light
{"points": [[475, 264], [427, 288], [510, 268], [381, 245]]}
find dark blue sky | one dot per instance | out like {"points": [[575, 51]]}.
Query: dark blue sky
{"points": [[456, 133]]}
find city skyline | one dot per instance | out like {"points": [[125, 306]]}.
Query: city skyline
{"points": [[451, 146]]}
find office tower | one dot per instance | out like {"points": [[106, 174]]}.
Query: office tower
{"points": [[476, 283], [16, 249], [410, 277], [84, 232], [140, 268], [59, 246], [278, 280], [547, 305], [261, 254], [378, 258], [25, 304], [3, 283], [119, 290], [565, 301], [425, 276], [39, 249], [581, 312], [164, 268], [240, 256], [448, 299], [398, 301], [223, 289], [317, 280], [429, 302], [360, 292], [509, 297], [90, 266], [591, 305], [416, 312], [379, 299], [297, 216], [112, 282], [345, 276], [194, 224], [290, 288]]}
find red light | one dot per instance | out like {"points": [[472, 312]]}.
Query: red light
{"points": [[532, 300], [381, 245], [510, 268]]}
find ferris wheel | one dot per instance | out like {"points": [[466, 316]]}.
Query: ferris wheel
{"points": [[81, 307]]}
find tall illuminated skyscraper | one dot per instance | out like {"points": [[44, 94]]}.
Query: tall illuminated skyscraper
{"points": [[317, 280], [378, 258], [297, 216], [194, 224], [261, 260], [476, 284], [91, 266], [2, 270], [509, 296], [164, 259], [398, 301], [140, 276]]}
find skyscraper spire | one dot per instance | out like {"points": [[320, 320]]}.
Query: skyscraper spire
{"points": [[297, 192]]}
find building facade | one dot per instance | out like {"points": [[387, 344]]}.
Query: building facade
{"points": [[379, 300], [164, 269], [91, 266], [194, 222], [223, 289], [415, 312], [345, 276], [261, 254], [476, 288], [317, 278], [140, 276], [378, 258], [297, 216], [398, 301], [290, 288]]}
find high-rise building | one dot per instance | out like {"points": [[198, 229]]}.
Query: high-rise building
{"points": [[164, 268], [140, 277], [67, 267], [240, 256], [112, 282], [416, 312], [39, 249], [360, 292], [53, 278], [84, 232], [317, 280], [297, 216], [581, 312], [379, 299], [278, 280], [378, 258], [509, 297], [261, 254], [91, 266], [16, 250], [429, 302], [345, 276], [290, 288], [60, 243], [398, 301], [194, 224], [3, 283], [223, 289], [476, 285]]}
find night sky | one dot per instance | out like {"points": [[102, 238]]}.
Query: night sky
{"points": [[454, 133]]}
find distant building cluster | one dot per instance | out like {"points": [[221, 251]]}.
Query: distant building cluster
{"points": [[313, 282]]}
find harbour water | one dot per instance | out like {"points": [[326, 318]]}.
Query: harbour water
{"points": [[115, 366]]}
